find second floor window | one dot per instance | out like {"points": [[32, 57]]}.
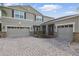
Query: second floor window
{"points": [[39, 18], [18, 14]]}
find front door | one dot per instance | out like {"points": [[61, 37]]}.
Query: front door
{"points": [[44, 29], [51, 29]]}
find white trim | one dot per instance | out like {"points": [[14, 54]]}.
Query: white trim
{"points": [[66, 24], [17, 18], [19, 13], [61, 18], [12, 26], [7, 26], [39, 18]]}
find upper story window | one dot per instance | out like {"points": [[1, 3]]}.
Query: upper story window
{"points": [[18, 14], [39, 18]]}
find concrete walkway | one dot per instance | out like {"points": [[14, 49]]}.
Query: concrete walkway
{"points": [[31, 46]]}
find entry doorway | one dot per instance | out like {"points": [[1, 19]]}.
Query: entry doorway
{"points": [[44, 29]]}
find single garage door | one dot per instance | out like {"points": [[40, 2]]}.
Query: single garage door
{"points": [[17, 31], [65, 33]]}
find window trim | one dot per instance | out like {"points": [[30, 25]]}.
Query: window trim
{"points": [[38, 16], [20, 14]]}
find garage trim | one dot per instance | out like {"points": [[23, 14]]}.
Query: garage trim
{"points": [[12, 26], [66, 24]]}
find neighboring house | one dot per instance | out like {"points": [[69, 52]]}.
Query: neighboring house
{"points": [[65, 28], [19, 21]]}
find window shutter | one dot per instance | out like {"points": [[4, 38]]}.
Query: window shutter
{"points": [[42, 18], [24, 15], [35, 17], [12, 13]]}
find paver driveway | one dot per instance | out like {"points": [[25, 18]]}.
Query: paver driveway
{"points": [[31, 46]]}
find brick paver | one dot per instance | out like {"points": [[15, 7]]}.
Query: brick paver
{"points": [[31, 46]]}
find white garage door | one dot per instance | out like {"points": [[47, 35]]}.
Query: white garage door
{"points": [[17, 31], [65, 33]]}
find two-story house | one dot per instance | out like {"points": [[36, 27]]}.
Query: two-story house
{"points": [[19, 21]]}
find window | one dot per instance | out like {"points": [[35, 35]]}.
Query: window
{"points": [[39, 18], [62, 26], [66, 25], [70, 25], [59, 26], [18, 14]]}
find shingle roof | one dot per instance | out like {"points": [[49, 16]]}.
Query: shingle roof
{"points": [[62, 18], [24, 7]]}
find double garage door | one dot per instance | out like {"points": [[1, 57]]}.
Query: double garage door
{"points": [[17, 31], [65, 33]]}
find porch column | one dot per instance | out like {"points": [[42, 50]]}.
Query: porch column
{"points": [[41, 28], [46, 29]]}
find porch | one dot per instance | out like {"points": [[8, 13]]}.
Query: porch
{"points": [[44, 30]]}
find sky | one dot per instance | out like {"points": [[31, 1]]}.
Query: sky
{"points": [[55, 10]]}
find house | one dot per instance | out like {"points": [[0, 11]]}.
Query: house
{"points": [[19, 21], [22, 21], [64, 28]]}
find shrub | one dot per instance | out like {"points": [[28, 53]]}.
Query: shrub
{"points": [[40, 34]]}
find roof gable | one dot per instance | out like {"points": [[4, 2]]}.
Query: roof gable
{"points": [[32, 10], [26, 8]]}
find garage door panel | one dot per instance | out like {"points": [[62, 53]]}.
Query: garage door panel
{"points": [[17, 32], [65, 34]]}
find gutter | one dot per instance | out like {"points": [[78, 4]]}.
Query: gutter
{"points": [[61, 18]]}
